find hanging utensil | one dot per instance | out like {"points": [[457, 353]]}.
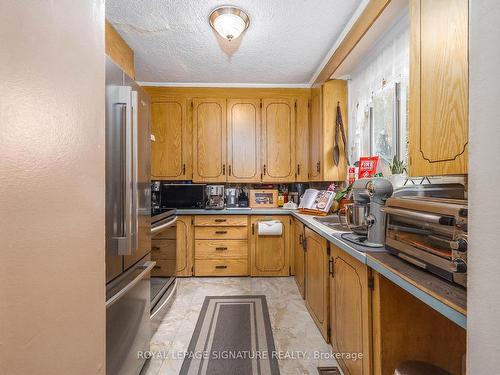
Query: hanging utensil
{"points": [[340, 125], [336, 148]]}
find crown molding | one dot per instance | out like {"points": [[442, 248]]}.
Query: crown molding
{"points": [[228, 85]]}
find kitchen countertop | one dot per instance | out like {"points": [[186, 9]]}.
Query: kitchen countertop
{"points": [[446, 298]]}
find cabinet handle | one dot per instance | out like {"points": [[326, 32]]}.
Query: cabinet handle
{"points": [[253, 228], [229, 170], [221, 248], [224, 169], [298, 169], [220, 220], [300, 240], [330, 267], [264, 169], [318, 166], [220, 231], [183, 168], [220, 267]]}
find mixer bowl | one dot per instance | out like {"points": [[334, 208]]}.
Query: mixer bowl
{"points": [[356, 215]]}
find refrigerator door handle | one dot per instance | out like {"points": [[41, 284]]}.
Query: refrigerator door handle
{"points": [[147, 267], [134, 216], [126, 165]]}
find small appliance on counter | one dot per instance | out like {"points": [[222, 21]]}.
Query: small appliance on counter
{"points": [[365, 216], [430, 233], [232, 197], [183, 195], [214, 197], [243, 199]]}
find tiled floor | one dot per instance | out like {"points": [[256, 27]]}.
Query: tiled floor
{"points": [[293, 329]]}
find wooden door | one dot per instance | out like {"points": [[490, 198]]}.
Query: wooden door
{"points": [[317, 280], [278, 140], [185, 242], [350, 311], [243, 140], [315, 138], [209, 140], [171, 147], [438, 126], [299, 256], [333, 92], [269, 255], [302, 141]]}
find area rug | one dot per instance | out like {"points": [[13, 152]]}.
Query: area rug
{"points": [[232, 336]]}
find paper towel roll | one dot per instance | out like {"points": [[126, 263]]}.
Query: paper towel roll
{"points": [[270, 228]]}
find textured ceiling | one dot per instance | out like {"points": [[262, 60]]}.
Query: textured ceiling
{"points": [[173, 42]]}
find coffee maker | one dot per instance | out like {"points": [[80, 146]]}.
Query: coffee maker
{"points": [[365, 216], [232, 197], [215, 197]]}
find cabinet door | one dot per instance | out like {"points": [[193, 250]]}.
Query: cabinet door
{"points": [[299, 257], [315, 138], [302, 141], [209, 140], [349, 311], [184, 245], [269, 255], [171, 149], [333, 92], [438, 126], [243, 140], [278, 140], [317, 280]]}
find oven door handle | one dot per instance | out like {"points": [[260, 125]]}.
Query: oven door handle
{"points": [[166, 301], [147, 267], [163, 226], [423, 216]]}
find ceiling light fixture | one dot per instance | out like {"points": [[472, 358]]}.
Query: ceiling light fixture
{"points": [[229, 22]]}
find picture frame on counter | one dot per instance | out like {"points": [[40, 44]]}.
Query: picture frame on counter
{"points": [[263, 198]]}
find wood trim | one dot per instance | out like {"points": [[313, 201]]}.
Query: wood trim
{"points": [[157, 93], [118, 50], [358, 30]]}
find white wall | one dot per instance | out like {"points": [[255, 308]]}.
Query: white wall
{"points": [[52, 287], [389, 62], [483, 328]]}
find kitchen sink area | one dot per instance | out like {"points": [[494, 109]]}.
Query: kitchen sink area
{"points": [[332, 222]]}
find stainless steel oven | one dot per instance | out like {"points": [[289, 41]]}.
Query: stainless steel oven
{"points": [[163, 252]]}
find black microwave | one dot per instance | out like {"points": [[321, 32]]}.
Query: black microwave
{"points": [[183, 195]]}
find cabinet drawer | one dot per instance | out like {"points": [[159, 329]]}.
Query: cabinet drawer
{"points": [[163, 249], [213, 249], [221, 220], [225, 233], [164, 268], [221, 267]]}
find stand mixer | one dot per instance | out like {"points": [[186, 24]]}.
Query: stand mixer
{"points": [[365, 217]]}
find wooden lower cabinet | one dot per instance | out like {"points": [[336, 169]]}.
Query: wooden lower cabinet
{"points": [[299, 256], [316, 282], [184, 246], [350, 313], [221, 245], [269, 255], [405, 328]]}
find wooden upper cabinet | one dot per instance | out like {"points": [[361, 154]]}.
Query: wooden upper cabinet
{"points": [[302, 140], [269, 255], [323, 116], [438, 122], [350, 316], [209, 140], [278, 140], [315, 129], [243, 140], [171, 149], [317, 280]]}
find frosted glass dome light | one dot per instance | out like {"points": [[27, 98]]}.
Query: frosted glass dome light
{"points": [[229, 22]]}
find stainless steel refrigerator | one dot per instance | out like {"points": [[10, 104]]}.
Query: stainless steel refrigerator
{"points": [[128, 223]]}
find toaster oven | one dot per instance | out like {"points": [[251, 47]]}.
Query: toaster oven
{"points": [[430, 233]]}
